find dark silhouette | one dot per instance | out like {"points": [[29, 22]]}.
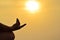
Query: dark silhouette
{"points": [[6, 32]]}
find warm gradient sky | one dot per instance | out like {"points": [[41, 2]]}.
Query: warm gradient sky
{"points": [[43, 25]]}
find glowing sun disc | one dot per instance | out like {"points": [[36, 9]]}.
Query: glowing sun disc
{"points": [[32, 6]]}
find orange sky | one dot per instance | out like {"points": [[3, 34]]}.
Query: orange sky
{"points": [[43, 25]]}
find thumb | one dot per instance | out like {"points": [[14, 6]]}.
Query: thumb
{"points": [[17, 21]]}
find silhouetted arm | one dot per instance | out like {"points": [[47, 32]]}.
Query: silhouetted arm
{"points": [[17, 25], [4, 27]]}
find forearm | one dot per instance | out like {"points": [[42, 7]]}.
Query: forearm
{"points": [[4, 27]]}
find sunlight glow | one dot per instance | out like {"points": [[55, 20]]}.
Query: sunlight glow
{"points": [[32, 6]]}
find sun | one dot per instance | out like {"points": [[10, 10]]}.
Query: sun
{"points": [[32, 6]]}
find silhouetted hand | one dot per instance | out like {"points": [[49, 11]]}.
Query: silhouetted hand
{"points": [[17, 25]]}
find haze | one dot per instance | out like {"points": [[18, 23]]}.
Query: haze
{"points": [[44, 25]]}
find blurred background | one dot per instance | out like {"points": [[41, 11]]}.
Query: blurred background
{"points": [[41, 25]]}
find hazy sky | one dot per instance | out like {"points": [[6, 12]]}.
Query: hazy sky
{"points": [[43, 25]]}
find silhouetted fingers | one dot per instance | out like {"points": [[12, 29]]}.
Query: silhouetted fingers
{"points": [[23, 25]]}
